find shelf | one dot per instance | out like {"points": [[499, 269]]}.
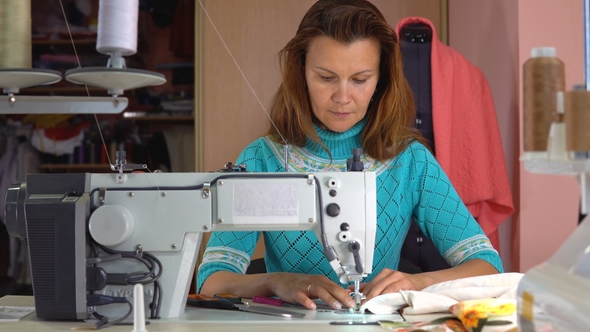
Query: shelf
{"points": [[61, 89], [178, 118], [63, 41], [580, 168], [557, 167]]}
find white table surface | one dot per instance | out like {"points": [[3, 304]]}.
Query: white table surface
{"points": [[198, 319]]}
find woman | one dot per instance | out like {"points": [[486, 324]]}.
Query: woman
{"points": [[343, 87]]}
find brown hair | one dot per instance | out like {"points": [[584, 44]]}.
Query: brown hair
{"points": [[391, 113]]}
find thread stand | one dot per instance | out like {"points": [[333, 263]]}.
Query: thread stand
{"points": [[114, 80], [115, 77], [12, 80], [121, 164], [579, 168], [117, 36]]}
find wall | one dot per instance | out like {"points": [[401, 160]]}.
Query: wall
{"points": [[483, 33], [497, 35]]}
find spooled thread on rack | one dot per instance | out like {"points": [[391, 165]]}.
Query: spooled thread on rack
{"points": [[16, 70], [544, 77], [577, 119], [556, 145], [117, 30], [15, 34], [117, 36]]}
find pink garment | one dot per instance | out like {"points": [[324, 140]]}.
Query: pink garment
{"points": [[466, 135]]}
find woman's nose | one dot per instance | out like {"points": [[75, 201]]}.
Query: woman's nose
{"points": [[341, 95]]}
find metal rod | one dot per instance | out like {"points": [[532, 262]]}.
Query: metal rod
{"points": [[286, 150]]}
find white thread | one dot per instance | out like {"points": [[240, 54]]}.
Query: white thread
{"points": [[117, 27], [240, 70], [286, 144]]}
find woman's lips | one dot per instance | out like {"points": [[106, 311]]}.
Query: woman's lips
{"points": [[341, 114]]}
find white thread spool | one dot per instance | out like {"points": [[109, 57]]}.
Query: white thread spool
{"points": [[117, 36], [117, 27]]}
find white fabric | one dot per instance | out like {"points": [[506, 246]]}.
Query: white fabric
{"points": [[439, 297]]}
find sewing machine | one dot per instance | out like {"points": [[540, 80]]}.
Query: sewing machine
{"points": [[92, 236]]}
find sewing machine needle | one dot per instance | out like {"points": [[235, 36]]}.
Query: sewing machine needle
{"points": [[357, 295]]}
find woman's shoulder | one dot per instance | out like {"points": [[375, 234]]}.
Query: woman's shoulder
{"points": [[414, 151], [260, 155], [260, 145]]}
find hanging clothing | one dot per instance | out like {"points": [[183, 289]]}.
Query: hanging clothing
{"points": [[467, 138], [418, 250], [416, 60]]}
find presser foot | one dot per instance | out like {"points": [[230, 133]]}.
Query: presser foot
{"points": [[355, 311], [358, 299], [357, 296]]}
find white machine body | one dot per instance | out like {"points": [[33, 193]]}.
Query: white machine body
{"points": [[158, 213]]}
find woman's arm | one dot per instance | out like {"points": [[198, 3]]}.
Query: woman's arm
{"points": [[390, 281], [290, 287], [470, 268], [244, 285], [442, 216]]}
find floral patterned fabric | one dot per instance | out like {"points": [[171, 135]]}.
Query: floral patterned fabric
{"points": [[486, 314]]}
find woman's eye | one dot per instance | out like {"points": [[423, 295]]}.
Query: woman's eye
{"points": [[360, 81], [326, 78]]}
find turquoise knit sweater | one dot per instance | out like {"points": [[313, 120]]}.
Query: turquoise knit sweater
{"points": [[409, 186]]}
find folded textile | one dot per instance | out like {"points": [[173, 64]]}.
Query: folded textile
{"points": [[467, 141], [486, 315], [440, 297]]}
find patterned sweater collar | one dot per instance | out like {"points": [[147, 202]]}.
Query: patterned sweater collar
{"points": [[339, 144]]}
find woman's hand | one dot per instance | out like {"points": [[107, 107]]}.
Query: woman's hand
{"points": [[302, 288], [391, 281]]}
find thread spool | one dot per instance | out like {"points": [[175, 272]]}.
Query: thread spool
{"points": [[577, 119], [544, 76], [15, 50], [117, 36], [556, 145], [15, 34], [117, 27]]}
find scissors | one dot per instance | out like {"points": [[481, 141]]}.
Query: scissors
{"points": [[204, 301], [233, 302], [279, 302]]}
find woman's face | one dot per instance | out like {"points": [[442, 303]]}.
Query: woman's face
{"points": [[341, 80]]}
